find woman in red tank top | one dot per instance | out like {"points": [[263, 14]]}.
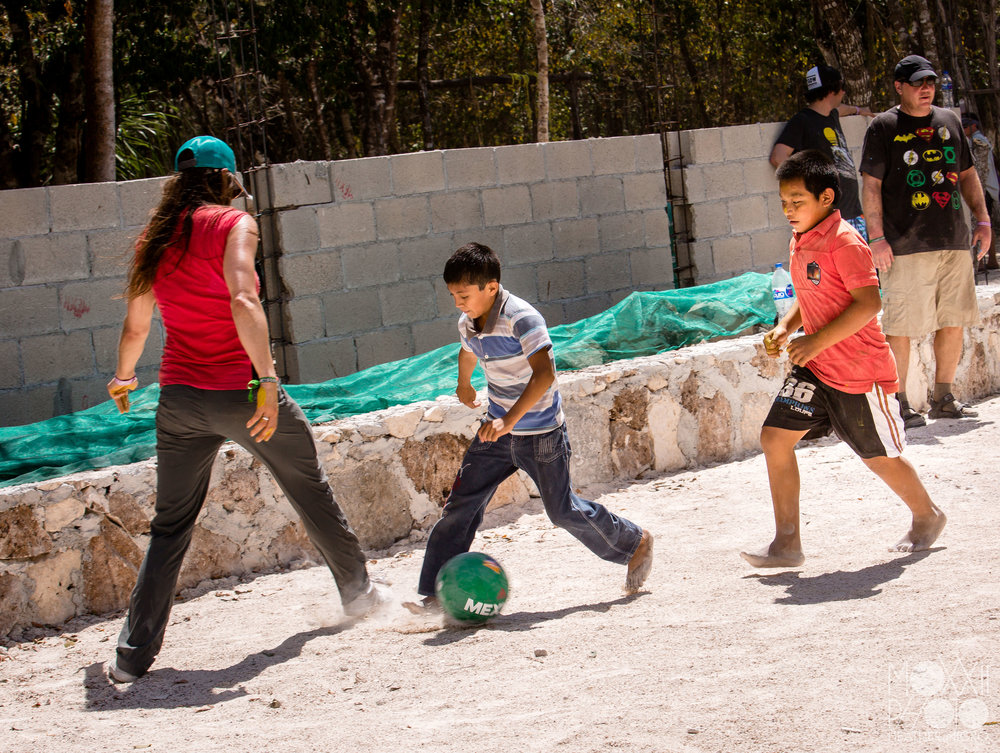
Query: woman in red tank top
{"points": [[195, 261]]}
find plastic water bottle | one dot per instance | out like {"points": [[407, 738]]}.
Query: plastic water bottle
{"points": [[782, 290], [947, 95]]}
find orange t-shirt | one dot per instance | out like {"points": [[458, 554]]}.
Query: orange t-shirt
{"points": [[827, 262], [202, 348]]}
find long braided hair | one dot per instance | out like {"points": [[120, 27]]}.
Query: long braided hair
{"points": [[173, 220]]}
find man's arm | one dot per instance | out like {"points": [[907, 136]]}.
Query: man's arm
{"points": [[251, 322], [871, 202], [866, 304], [845, 110], [779, 154], [543, 374], [972, 191]]}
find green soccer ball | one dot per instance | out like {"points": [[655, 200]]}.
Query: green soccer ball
{"points": [[471, 587]]}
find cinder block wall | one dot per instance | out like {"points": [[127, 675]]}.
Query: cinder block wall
{"points": [[63, 257], [578, 225], [733, 211]]}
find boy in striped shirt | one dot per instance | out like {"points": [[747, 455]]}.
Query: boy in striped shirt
{"points": [[524, 428], [843, 375]]}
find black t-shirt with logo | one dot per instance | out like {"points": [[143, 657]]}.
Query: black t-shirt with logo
{"points": [[809, 130], [919, 161]]}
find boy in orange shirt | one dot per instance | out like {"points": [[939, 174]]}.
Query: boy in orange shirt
{"points": [[844, 375]]}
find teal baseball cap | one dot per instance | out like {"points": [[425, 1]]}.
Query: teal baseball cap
{"points": [[207, 151]]}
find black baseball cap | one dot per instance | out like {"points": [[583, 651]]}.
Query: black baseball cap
{"points": [[914, 68]]}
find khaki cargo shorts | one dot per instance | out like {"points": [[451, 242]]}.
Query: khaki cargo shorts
{"points": [[923, 292]]}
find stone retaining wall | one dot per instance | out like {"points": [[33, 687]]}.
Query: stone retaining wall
{"points": [[73, 545]]}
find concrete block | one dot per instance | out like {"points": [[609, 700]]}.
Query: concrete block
{"points": [[567, 159], [29, 311], [527, 243], [96, 303], [652, 268], [576, 237], [608, 271], [299, 183], [521, 281], [373, 264], [21, 407], [488, 236], [11, 263], [384, 346], [581, 308], [445, 303], [48, 358], [349, 311], [854, 128], [743, 142], [645, 191], [417, 172], [508, 205], [560, 279], [522, 163], [305, 318], [10, 365], [775, 214], [675, 187], [456, 210], [694, 184], [553, 313], [758, 177], [402, 218], [601, 195], [433, 334], [322, 360], [111, 252], [138, 200], [769, 247], [732, 255], [621, 231], [424, 258], [345, 224], [84, 393], [469, 168], [656, 228], [554, 200], [769, 134], [298, 230], [710, 220], [84, 206], [54, 258], [701, 257], [361, 179], [407, 302], [106, 350], [612, 155], [749, 213], [723, 181], [649, 151], [309, 274], [702, 146], [25, 211]]}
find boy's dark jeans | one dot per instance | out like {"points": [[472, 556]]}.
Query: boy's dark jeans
{"points": [[545, 458], [191, 425]]}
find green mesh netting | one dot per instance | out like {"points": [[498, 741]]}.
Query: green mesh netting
{"points": [[643, 324]]}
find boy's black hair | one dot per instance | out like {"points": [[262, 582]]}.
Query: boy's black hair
{"points": [[474, 264], [832, 81], [815, 169]]}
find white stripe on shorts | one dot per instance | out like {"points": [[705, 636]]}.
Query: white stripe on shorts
{"points": [[888, 421]]}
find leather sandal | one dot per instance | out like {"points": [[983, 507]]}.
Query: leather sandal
{"points": [[949, 407]]}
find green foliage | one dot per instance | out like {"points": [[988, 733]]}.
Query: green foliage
{"points": [[144, 140]]}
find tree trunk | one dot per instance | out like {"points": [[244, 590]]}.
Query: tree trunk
{"points": [[99, 92], [925, 21], [291, 118], [542, 84], [376, 66], [850, 50], [423, 74], [69, 128], [317, 106]]}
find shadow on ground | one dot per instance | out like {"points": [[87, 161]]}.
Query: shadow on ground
{"points": [[840, 585]]}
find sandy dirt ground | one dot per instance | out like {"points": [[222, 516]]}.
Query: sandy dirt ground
{"points": [[860, 649]]}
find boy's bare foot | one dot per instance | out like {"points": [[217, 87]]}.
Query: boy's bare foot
{"points": [[922, 533], [775, 556], [429, 605], [640, 564]]}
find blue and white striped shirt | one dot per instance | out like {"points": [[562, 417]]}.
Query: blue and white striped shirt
{"points": [[514, 330]]}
